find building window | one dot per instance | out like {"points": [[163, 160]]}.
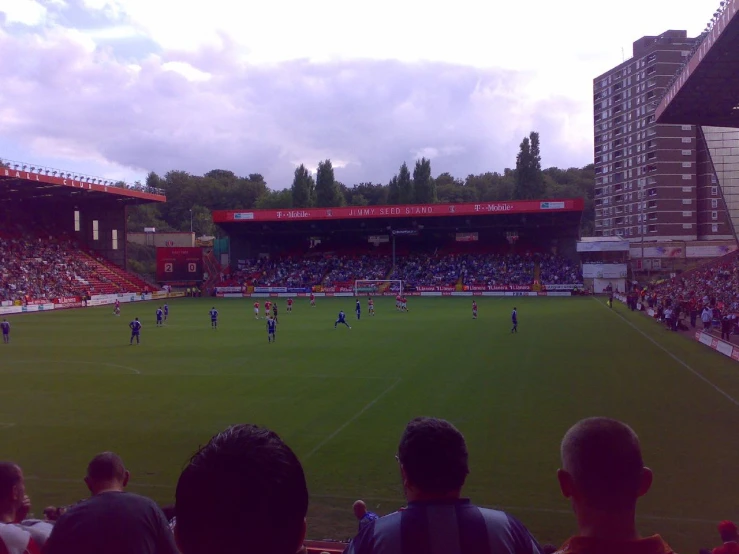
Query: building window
{"points": [[76, 220], [686, 177], [686, 164], [687, 128], [714, 191], [114, 237], [95, 232], [687, 214], [686, 152], [652, 228], [687, 201], [686, 139], [714, 203], [687, 225], [714, 215], [714, 228]]}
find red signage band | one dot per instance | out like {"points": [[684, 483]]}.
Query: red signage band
{"points": [[64, 182], [423, 210]]}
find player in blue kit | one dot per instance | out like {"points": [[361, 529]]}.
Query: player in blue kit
{"points": [[514, 320], [5, 326], [342, 319], [135, 326], [160, 316], [358, 309], [271, 329], [166, 312], [214, 318]]}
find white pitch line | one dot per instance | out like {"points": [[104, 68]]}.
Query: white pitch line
{"points": [[678, 360], [72, 362], [350, 420], [6, 425]]}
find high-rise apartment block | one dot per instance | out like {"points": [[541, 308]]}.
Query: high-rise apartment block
{"points": [[653, 182]]}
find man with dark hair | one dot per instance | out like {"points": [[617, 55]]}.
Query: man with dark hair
{"points": [[111, 521], [729, 536], [18, 536], [603, 475], [432, 455], [245, 491]]}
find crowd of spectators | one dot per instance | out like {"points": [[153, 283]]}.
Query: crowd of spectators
{"points": [[415, 269], [558, 270], [706, 297], [427, 270], [246, 491], [511, 269], [347, 269], [35, 268]]}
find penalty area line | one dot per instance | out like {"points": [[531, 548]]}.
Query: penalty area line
{"points": [[678, 360], [351, 420]]}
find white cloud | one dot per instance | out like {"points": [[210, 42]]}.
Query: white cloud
{"points": [[187, 71], [223, 86], [27, 12]]}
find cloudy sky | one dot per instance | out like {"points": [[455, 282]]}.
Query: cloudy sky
{"points": [[119, 87]]}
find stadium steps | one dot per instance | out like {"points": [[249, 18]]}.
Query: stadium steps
{"points": [[108, 278], [214, 270]]}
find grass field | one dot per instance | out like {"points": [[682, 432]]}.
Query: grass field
{"points": [[72, 386]]}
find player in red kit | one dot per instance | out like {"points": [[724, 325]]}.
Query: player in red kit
{"points": [[256, 310], [289, 305], [371, 305], [398, 302], [117, 309], [267, 306], [474, 310], [312, 300], [403, 304]]}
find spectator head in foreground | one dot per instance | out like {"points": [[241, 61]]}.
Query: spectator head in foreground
{"points": [[12, 493], [363, 515], [111, 520], [432, 455], [603, 475], [244, 491], [729, 536], [106, 473], [433, 460], [16, 533]]}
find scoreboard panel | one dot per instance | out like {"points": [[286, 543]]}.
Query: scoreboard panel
{"points": [[179, 264]]}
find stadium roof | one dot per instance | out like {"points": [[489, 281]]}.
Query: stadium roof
{"points": [[26, 185], [360, 213], [706, 91]]}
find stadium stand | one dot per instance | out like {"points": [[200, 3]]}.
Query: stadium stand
{"points": [[36, 267], [417, 269]]}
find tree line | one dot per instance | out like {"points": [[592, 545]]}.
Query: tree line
{"points": [[191, 198]]}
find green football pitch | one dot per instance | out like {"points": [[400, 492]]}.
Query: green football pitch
{"points": [[72, 386]]}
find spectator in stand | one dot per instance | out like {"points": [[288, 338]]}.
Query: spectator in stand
{"points": [[603, 476], [111, 521], [432, 456], [18, 535], [364, 517], [730, 538], [245, 491], [706, 317]]}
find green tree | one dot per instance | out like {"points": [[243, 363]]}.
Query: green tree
{"points": [[393, 191], [303, 188], [275, 200], [374, 194], [451, 191], [529, 176], [405, 185], [327, 190], [423, 185]]}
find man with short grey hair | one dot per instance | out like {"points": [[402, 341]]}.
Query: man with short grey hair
{"points": [[112, 520], [603, 475]]}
